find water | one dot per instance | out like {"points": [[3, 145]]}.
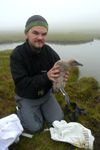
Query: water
{"points": [[8, 46], [88, 54]]}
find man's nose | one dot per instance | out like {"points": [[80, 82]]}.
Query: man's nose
{"points": [[40, 36]]}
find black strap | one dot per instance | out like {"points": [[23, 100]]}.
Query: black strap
{"points": [[74, 115]]}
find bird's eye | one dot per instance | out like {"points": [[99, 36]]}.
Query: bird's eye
{"points": [[74, 61]]}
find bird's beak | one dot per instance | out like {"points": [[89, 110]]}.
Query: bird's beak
{"points": [[79, 64]]}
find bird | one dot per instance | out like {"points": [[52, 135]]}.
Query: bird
{"points": [[65, 65]]}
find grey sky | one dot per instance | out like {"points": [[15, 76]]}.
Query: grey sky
{"points": [[69, 15]]}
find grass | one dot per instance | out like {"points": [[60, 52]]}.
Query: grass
{"points": [[58, 38], [84, 92], [69, 38], [10, 37]]}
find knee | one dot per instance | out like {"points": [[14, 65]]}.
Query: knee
{"points": [[33, 123], [62, 117], [59, 118], [34, 128]]}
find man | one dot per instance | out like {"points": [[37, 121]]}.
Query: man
{"points": [[33, 72]]}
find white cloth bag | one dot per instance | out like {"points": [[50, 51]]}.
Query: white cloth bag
{"points": [[73, 133], [10, 130]]}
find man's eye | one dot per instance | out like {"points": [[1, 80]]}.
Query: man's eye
{"points": [[35, 33], [44, 34]]}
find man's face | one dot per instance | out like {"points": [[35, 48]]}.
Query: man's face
{"points": [[36, 36]]}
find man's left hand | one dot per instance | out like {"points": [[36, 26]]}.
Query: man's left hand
{"points": [[66, 76]]}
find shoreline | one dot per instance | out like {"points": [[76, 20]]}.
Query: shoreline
{"points": [[61, 42], [69, 42], [56, 38]]}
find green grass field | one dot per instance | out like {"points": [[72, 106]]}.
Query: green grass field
{"points": [[69, 38], [10, 37], [85, 92], [58, 38]]}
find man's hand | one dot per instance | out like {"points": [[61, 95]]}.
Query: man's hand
{"points": [[53, 73], [66, 76]]}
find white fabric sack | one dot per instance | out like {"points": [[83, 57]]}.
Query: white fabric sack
{"points": [[73, 133], [10, 130]]}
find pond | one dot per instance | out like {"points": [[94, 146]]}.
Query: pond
{"points": [[88, 54]]}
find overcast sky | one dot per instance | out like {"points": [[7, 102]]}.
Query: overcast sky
{"points": [[68, 15]]}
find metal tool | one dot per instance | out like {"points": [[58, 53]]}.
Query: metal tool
{"points": [[66, 97], [73, 114]]}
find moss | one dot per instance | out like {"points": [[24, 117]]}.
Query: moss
{"points": [[74, 74], [84, 92], [98, 108]]}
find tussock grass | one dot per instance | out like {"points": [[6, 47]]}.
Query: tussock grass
{"points": [[84, 92]]}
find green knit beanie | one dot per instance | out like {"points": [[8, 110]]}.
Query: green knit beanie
{"points": [[35, 20]]}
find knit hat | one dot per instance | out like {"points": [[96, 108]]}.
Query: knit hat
{"points": [[35, 20]]}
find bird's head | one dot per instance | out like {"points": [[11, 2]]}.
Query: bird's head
{"points": [[73, 62]]}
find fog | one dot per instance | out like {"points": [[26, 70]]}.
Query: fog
{"points": [[61, 15]]}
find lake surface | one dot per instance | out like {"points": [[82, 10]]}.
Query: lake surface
{"points": [[88, 54]]}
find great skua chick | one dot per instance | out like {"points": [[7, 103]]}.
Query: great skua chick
{"points": [[65, 65]]}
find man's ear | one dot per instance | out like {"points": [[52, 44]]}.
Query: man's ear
{"points": [[26, 36]]}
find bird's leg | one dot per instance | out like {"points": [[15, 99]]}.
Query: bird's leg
{"points": [[66, 97]]}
